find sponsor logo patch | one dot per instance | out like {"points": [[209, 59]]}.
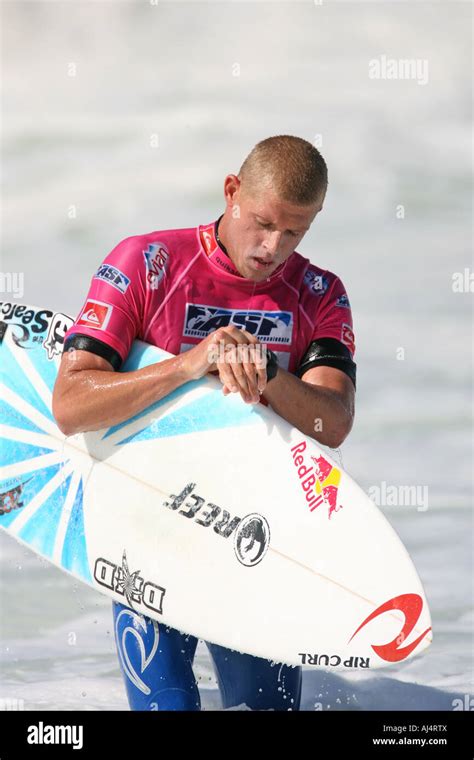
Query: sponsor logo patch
{"points": [[347, 337], [95, 314], [156, 260], [343, 302], [267, 326], [113, 276]]}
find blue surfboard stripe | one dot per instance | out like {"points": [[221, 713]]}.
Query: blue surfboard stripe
{"points": [[213, 412], [47, 368], [12, 452], [142, 355], [40, 530], [74, 554], [11, 416], [15, 379]]}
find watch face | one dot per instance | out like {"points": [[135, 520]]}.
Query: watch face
{"points": [[272, 365]]}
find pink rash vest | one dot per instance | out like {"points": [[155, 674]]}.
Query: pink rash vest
{"points": [[171, 288]]}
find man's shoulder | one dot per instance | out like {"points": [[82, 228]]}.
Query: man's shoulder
{"points": [[315, 280], [151, 252], [167, 238]]}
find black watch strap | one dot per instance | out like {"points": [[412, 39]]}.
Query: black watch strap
{"points": [[272, 364]]}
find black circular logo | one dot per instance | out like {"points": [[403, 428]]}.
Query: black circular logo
{"points": [[252, 539]]}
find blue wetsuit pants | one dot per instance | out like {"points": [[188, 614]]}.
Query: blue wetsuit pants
{"points": [[156, 663]]}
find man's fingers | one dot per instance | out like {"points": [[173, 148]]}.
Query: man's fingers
{"points": [[241, 363]]}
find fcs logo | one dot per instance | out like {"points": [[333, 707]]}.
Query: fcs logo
{"points": [[319, 481], [411, 605]]}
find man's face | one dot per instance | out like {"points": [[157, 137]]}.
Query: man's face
{"points": [[263, 231]]}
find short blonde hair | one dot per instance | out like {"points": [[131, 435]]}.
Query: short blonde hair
{"points": [[290, 166]]}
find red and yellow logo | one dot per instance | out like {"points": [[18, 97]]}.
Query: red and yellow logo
{"points": [[320, 481]]}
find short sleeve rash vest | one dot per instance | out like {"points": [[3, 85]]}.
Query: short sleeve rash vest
{"points": [[171, 288]]}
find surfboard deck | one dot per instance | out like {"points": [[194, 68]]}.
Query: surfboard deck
{"points": [[209, 515]]}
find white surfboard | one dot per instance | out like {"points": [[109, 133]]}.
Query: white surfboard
{"points": [[215, 517]]}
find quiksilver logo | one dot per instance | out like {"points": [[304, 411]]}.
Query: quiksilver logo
{"points": [[47, 734]]}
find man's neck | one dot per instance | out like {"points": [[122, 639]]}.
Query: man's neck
{"points": [[220, 232]]}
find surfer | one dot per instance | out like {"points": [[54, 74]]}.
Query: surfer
{"points": [[241, 269]]}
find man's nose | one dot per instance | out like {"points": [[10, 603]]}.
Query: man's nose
{"points": [[272, 241]]}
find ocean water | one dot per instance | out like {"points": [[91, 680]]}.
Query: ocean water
{"points": [[90, 88]]}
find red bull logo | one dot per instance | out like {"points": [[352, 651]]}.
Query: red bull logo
{"points": [[320, 481]]}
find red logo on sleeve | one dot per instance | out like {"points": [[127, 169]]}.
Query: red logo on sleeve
{"points": [[347, 337], [95, 314]]}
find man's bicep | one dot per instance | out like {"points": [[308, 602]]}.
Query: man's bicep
{"points": [[75, 361], [67, 395]]}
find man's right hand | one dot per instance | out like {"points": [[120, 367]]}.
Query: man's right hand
{"points": [[236, 355]]}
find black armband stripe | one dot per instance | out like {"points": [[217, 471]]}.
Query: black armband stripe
{"points": [[328, 352], [86, 343]]}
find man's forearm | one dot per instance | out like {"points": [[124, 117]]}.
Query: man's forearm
{"points": [[317, 411], [92, 399]]}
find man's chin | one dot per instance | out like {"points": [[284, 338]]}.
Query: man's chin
{"points": [[257, 275]]}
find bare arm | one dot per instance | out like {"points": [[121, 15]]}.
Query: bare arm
{"points": [[90, 395], [320, 404]]}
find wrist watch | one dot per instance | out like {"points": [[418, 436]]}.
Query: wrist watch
{"points": [[272, 364]]}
